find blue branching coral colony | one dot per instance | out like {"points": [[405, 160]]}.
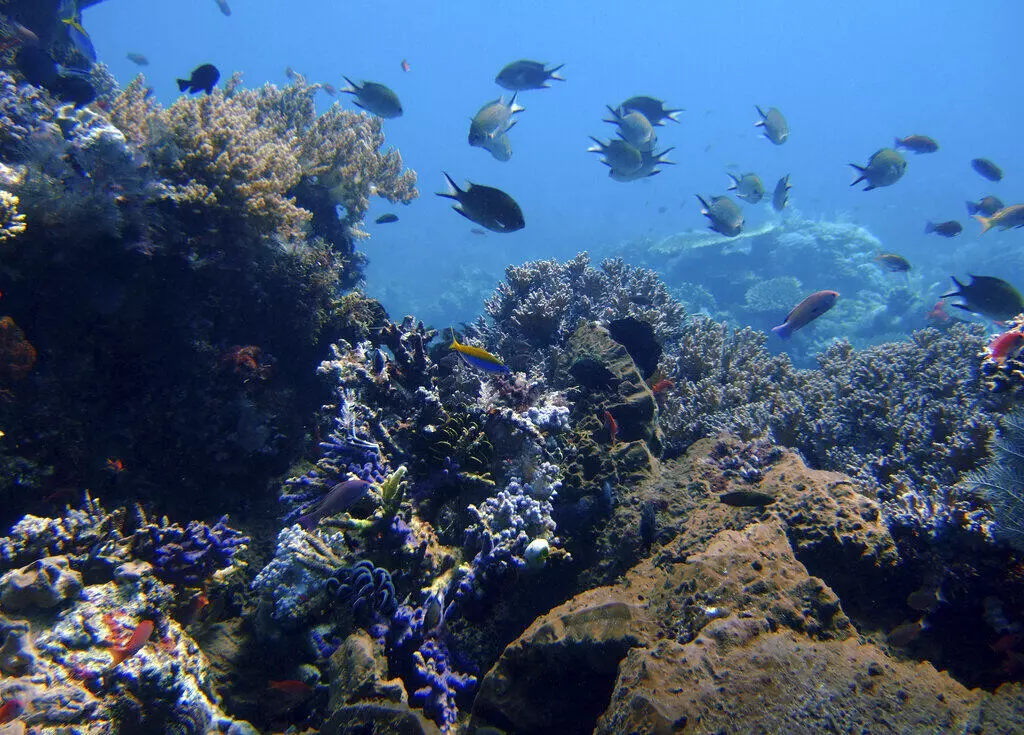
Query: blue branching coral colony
{"points": [[611, 502]]}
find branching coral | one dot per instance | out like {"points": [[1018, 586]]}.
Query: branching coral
{"points": [[12, 222], [1001, 481], [187, 556]]}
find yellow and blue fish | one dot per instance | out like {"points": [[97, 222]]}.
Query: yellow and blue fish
{"points": [[71, 16], [478, 357]]}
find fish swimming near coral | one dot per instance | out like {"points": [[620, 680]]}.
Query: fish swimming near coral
{"points": [[374, 97], [386, 219], [952, 228], [11, 710], [780, 197], [986, 207], [203, 79], [725, 215], [988, 296], [651, 108], [907, 633], [135, 644], [776, 129], [1006, 346], [486, 206], [916, 144], [613, 427], [478, 357], [884, 168], [79, 38], [137, 59], [806, 312], [1005, 219], [340, 498], [892, 262], [987, 169], [525, 74], [748, 187]]}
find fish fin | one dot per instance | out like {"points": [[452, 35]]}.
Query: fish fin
{"points": [[703, 203], [513, 107], [455, 342], [869, 187], [671, 114], [553, 73], [616, 114], [929, 227], [453, 189], [958, 292], [986, 223], [860, 174], [183, 84], [458, 209], [510, 126], [897, 144], [352, 87], [783, 330], [972, 208], [599, 148], [964, 307]]}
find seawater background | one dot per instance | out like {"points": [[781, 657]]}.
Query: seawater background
{"points": [[848, 76]]}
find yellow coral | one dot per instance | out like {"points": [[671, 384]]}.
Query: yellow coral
{"points": [[12, 223]]}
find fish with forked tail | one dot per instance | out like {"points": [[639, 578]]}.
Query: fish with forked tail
{"points": [[806, 312], [988, 296]]}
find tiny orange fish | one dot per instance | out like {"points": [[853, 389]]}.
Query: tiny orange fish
{"points": [[938, 313], [1005, 346], [613, 426], [405, 65], [139, 637], [11, 710], [292, 687], [114, 465], [661, 386]]}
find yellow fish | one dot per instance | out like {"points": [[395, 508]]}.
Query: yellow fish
{"points": [[478, 357]]}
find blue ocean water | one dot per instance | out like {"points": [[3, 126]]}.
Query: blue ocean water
{"points": [[848, 77]]}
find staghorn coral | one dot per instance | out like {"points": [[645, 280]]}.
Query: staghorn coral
{"points": [[187, 556], [12, 222]]}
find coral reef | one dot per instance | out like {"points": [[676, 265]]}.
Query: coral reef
{"points": [[999, 482]]}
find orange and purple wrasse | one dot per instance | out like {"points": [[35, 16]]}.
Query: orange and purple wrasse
{"points": [[478, 357], [806, 312], [11, 710], [114, 465], [341, 497], [952, 228], [661, 386], [1005, 219], [613, 426], [1006, 346], [291, 687], [892, 262], [938, 314], [135, 644]]}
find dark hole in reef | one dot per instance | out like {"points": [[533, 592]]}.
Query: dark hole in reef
{"points": [[637, 336], [592, 374], [567, 688]]}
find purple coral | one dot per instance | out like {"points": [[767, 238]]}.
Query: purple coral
{"points": [[441, 684], [188, 556]]}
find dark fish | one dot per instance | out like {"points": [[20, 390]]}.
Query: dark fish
{"points": [[79, 38], [724, 213], [651, 108], [988, 296], [916, 143], [746, 499], [1004, 219], [806, 312], [138, 59], [987, 169], [748, 187], [884, 168], [488, 207], [204, 78], [493, 119], [73, 88], [373, 97], [907, 633], [341, 497], [926, 599], [525, 74], [37, 66], [952, 228], [635, 129], [499, 146], [780, 198], [986, 207], [892, 262], [648, 167], [223, 5], [619, 155], [385, 219], [776, 129]]}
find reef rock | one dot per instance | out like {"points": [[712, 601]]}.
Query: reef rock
{"points": [[44, 583]]}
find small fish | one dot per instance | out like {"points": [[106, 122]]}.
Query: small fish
{"points": [[661, 386], [11, 710], [806, 312], [988, 296], [986, 207], [114, 465], [648, 167], [952, 228], [291, 687], [1006, 346], [478, 231], [938, 314], [893, 263], [618, 155], [376, 98], [79, 38], [612, 425], [138, 639], [987, 169], [405, 66], [203, 79], [486, 206], [635, 129], [340, 498], [916, 143], [904, 635], [884, 168], [1004, 219], [223, 5], [776, 129], [492, 119], [329, 89], [780, 198], [746, 499], [926, 599], [197, 605], [748, 187], [385, 219], [524, 74], [651, 108], [15, 34], [724, 213], [478, 357], [137, 59]]}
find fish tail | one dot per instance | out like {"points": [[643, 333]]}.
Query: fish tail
{"points": [[972, 208], [897, 144], [512, 106], [673, 114], [599, 148], [702, 202], [986, 224], [929, 227], [453, 189], [783, 330], [860, 174], [455, 342], [553, 74], [956, 291], [352, 87], [183, 84]]}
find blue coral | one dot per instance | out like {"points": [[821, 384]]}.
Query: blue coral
{"points": [[188, 556], [441, 684], [368, 590]]}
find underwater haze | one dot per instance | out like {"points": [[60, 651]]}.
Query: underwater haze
{"points": [[849, 78]]}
